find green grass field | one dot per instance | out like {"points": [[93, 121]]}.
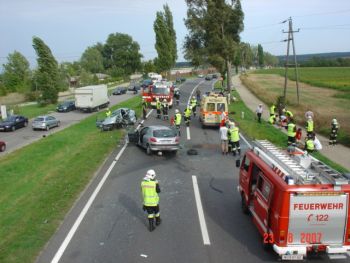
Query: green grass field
{"points": [[334, 78], [40, 182]]}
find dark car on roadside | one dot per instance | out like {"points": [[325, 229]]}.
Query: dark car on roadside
{"points": [[183, 79], [13, 123], [119, 91], [66, 106], [215, 76], [208, 77], [2, 146]]}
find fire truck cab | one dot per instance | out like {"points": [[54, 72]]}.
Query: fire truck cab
{"points": [[297, 203], [161, 90]]}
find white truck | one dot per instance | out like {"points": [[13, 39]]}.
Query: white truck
{"points": [[91, 98]]}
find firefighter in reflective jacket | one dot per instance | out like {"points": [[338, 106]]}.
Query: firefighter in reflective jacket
{"points": [[193, 103], [177, 120], [334, 132], [187, 115], [158, 108], [108, 113], [309, 126], [150, 190], [272, 110], [233, 134], [291, 131], [310, 144]]}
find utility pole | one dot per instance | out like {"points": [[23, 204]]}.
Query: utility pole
{"points": [[287, 64]]}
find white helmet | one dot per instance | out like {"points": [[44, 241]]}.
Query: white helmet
{"points": [[309, 117], [164, 100], [193, 97], [176, 111], [151, 174], [232, 125]]}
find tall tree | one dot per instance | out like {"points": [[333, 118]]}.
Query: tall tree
{"points": [[168, 16], [92, 60], [47, 74], [122, 54], [260, 55], [16, 73], [214, 28], [165, 40]]}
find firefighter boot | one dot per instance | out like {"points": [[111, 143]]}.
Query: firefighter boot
{"points": [[151, 224], [158, 221]]}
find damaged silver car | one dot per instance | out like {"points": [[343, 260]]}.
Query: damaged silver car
{"points": [[120, 118]]}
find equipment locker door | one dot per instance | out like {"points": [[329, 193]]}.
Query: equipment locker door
{"points": [[262, 200]]}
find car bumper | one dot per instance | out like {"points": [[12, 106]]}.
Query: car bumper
{"points": [[5, 128], [39, 127], [164, 148]]}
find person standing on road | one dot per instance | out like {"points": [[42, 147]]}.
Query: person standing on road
{"points": [[334, 132], [259, 111], [309, 126], [177, 95], [224, 139], [158, 108], [193, 103], [233, 134], [177, 121], [144, 109], [150, 190], [165, 108], [198, 96], [187, 115], [291, 131]]}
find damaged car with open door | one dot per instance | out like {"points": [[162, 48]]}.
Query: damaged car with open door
{"points": [[156, 138], [120, 118]]}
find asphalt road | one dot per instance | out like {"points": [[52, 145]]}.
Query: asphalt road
{"points": [[114, 228], [24, 136]]}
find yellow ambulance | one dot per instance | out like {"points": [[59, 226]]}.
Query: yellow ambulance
{"points": [[212, 108]]}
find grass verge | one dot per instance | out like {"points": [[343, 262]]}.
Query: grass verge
{"points": [[40, 182], [258, 131]]}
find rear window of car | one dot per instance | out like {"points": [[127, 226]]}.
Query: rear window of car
{"points": [[211, 107], [39, 119], [164, 133], [11, 118]]}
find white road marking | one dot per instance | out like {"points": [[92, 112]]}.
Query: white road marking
{"points": [[82, 214], [188, 103], [202, 223], [188, 133]]}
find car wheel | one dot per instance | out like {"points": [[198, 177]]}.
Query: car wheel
{"points": [[47, 127], [13, 128], [148, 150], [3, 148], [25, 124]]}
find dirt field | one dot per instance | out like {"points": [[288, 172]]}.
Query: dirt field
{"points": [[321, 101]]}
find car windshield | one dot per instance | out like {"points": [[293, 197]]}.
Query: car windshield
{"points": [[39, 119], [66, 103], [164, 133], [10, 118], [160, 90]]}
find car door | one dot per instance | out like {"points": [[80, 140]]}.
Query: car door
{"points": [[262, 199], [50, 121], [143, 137]]}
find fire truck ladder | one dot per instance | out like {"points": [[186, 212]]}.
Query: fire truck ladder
{"points": [[282, 161], [317, 172]]}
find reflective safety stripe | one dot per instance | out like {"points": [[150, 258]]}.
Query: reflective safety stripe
{"points": [[151, 216], [158, 215]]}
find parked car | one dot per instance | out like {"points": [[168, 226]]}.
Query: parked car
{"points": [[66, 106], [120, 118], [13, 123], [156, 138], [119, 91], [215, 76], [45, 123], [178, 80], [200, 76], [183, 79], [208, 77], [146, 83], [2, 146]]}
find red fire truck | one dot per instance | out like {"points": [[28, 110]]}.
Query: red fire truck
{"points": [[298, 203], [161, 90]]}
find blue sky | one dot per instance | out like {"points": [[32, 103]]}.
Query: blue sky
{"points": [[68, 27]]}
